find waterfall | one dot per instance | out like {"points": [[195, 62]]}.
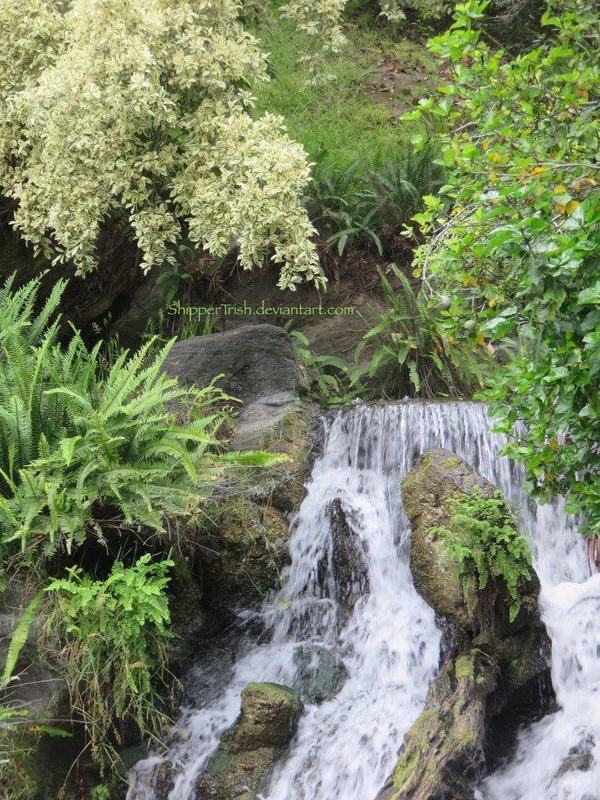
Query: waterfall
{"points": [[346, 746]]}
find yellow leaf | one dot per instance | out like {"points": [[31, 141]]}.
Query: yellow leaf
{"points": [[560, 189], [496, 157], [571, 206], [538, 170], [486, 145], [479, 338], [560, 207]]}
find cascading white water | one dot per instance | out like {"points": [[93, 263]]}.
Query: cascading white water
{"points": [[346, 746]]}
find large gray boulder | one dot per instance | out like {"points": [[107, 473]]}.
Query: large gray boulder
{"points": [[256, 361], [258, 365]]}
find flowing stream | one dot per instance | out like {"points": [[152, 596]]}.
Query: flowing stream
{"points": [[346, 746]]}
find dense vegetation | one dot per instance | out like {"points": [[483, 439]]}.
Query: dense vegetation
{"points": [[205, 129], [483, 538], [514, 238], [113, 460]]}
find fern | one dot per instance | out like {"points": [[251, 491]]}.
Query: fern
{"points": [[483, 538], [110, 637], [19, 637], [84, 449], [414, 355]]}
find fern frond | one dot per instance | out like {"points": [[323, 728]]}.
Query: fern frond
{"points": [[19, 637]]}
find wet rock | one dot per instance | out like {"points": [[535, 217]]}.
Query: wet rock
{"points": [[495, 673], [579, 759], [348, 564], [244, 553], [163, 781], [321, 673], [243, 557], [249, 749], [188, 615], [443, 753]]}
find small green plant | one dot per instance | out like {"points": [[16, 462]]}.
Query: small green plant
{"points": [[329, 375], [100, 792], [110, 638], [415, 355], [483, 538], [13, 752], [368, 203]]}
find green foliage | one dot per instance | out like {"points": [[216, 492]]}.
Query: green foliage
{"points": [[110, 639], [100, 792], [15, 754], [372, 201], [415, 353], [19, 637], [82, 452], [483, 538], [329, 376], [100, 447], [140, 112], [356, 117], [515, 240], [28, 417]]}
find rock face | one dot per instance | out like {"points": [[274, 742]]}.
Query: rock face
{"points": [[259, 366], [495, 670], [37, 688], [349, 564], [250, 748], [443, 753], [255, 361], [321, 673], [245, 552], [243, 557]]}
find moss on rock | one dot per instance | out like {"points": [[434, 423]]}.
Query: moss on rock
{"points": [[249, 749], [246, 548], [491, 670], [443, 751]]}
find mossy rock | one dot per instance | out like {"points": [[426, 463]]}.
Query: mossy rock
{"points": [[283, 484], [244, 556], [493, 674], [443, 752], [427, 491], [246, 548], [248, 751]]}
